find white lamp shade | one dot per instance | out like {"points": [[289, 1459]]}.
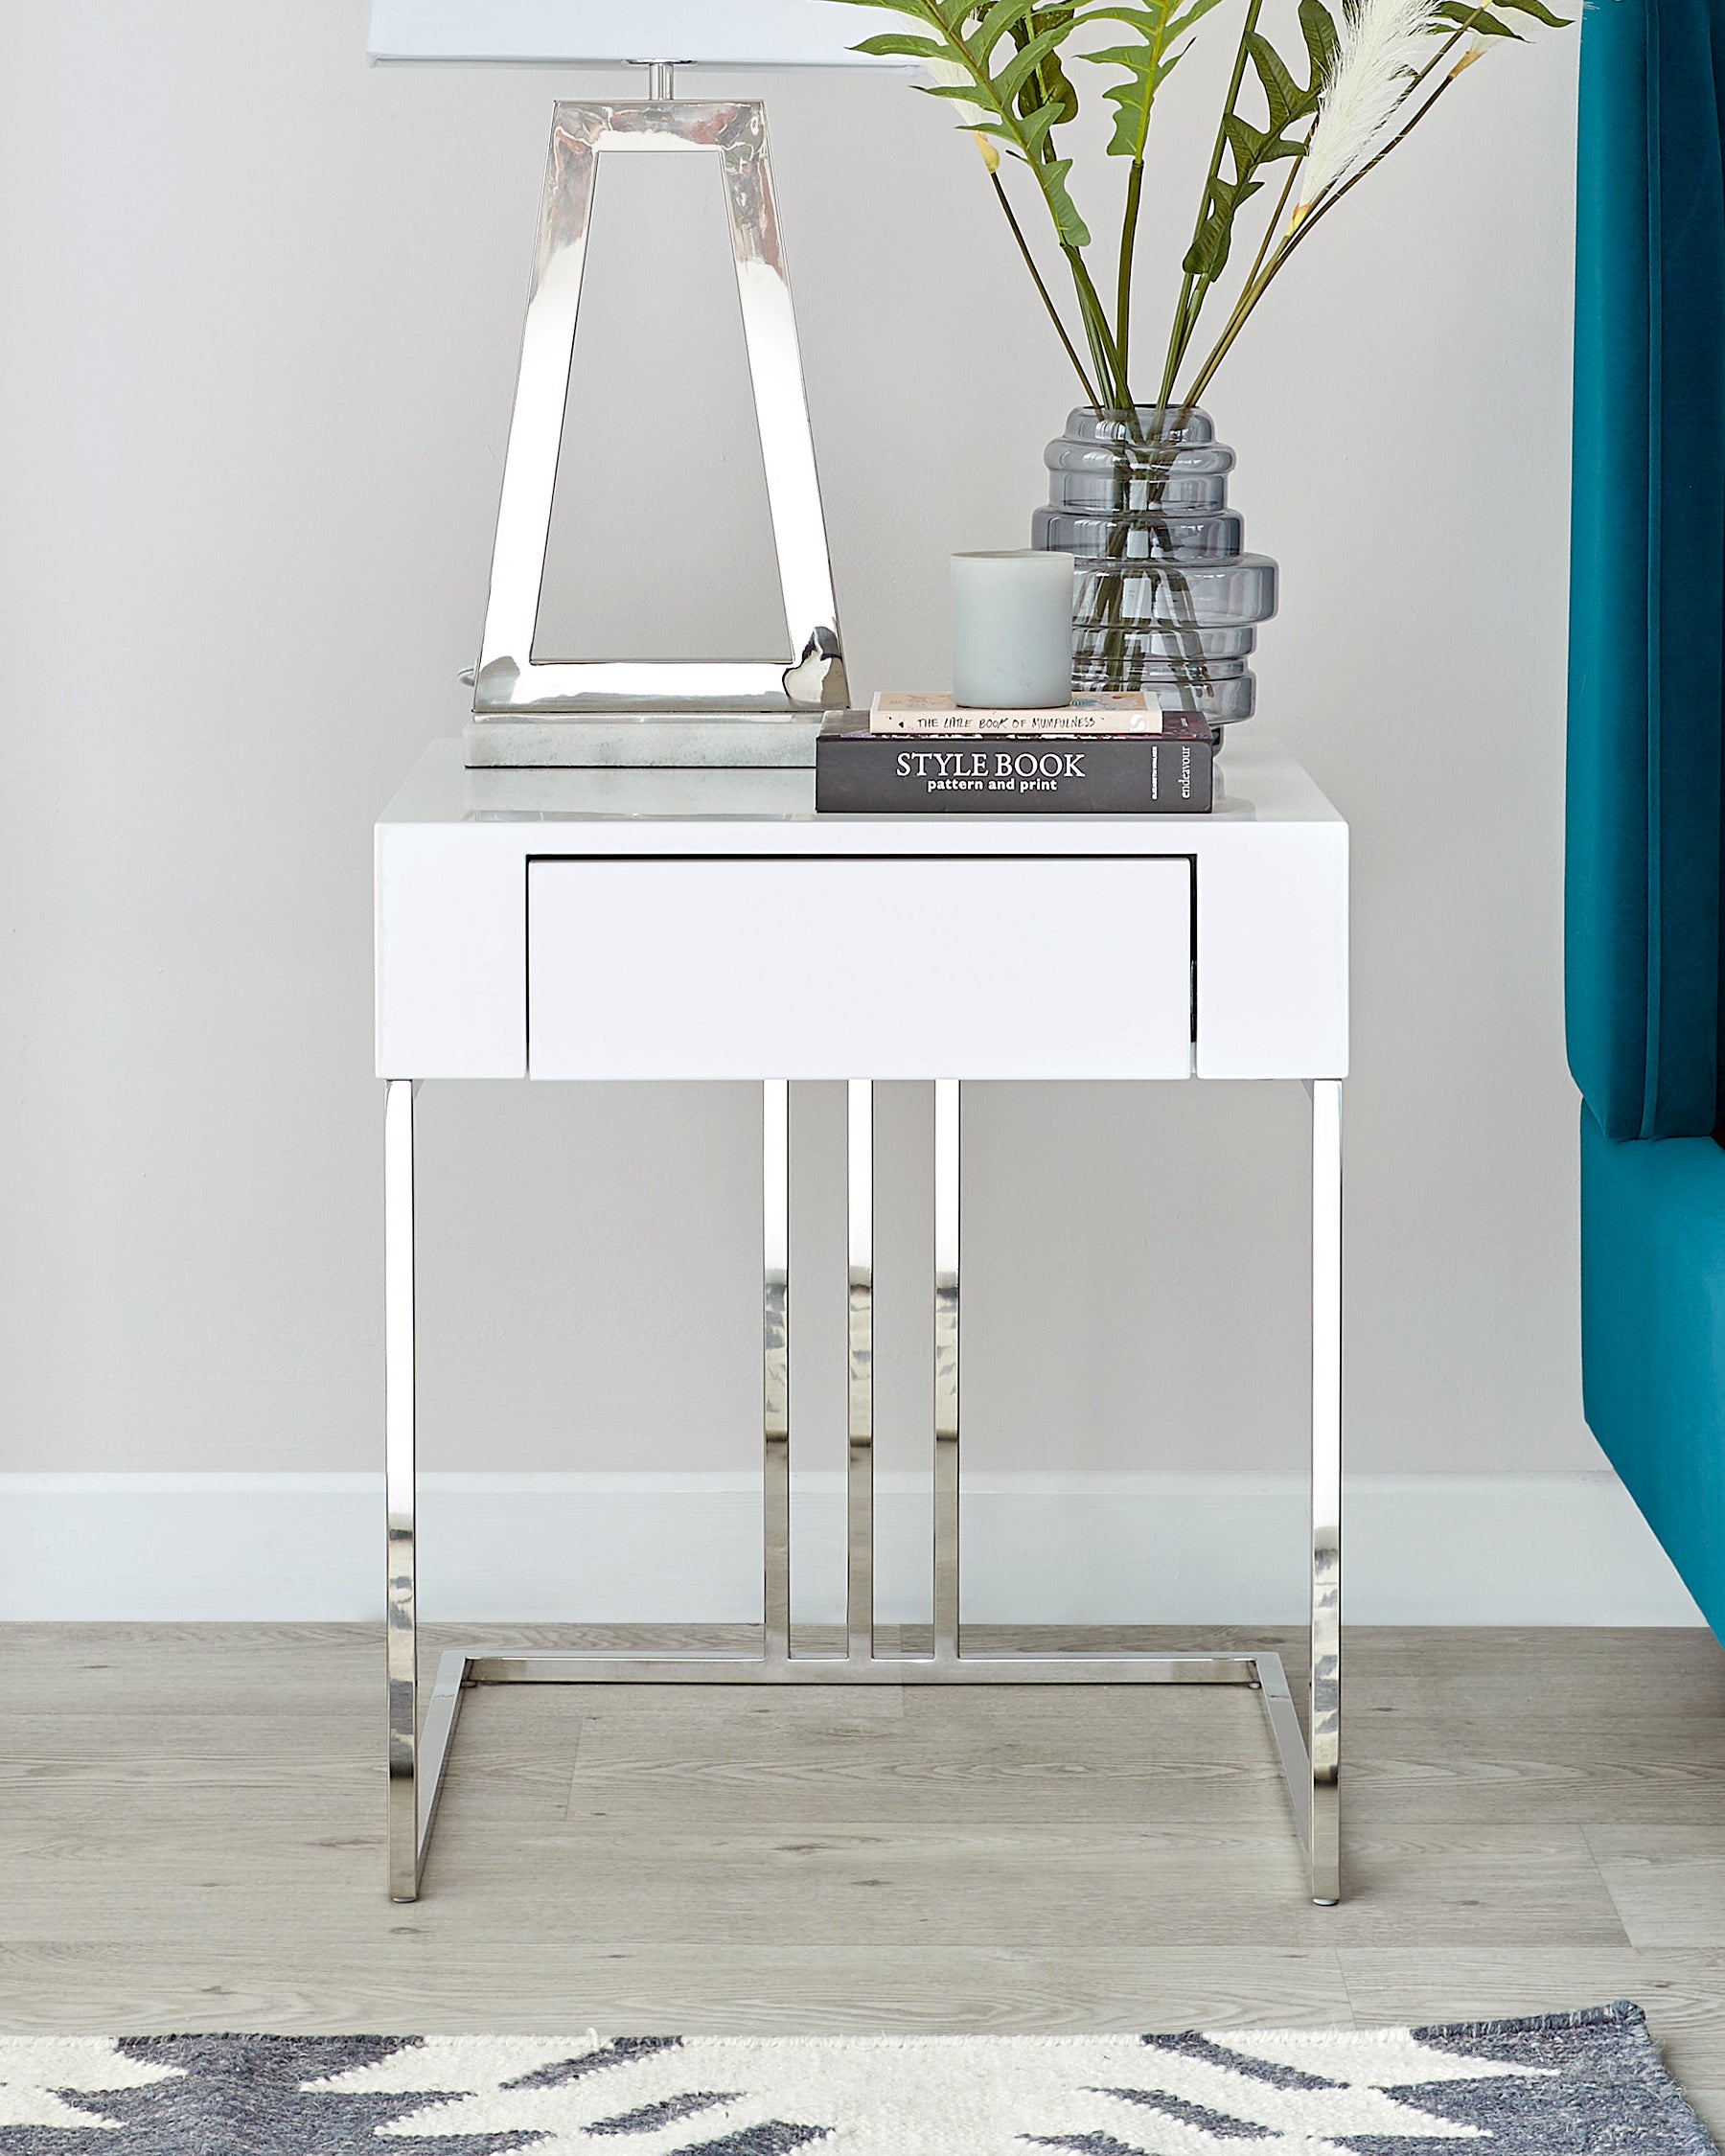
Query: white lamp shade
{"points": [[601, 33]]}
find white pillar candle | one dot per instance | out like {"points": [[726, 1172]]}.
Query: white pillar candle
{"points": [[1012, 630]]}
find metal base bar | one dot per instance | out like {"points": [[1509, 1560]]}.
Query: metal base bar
{"points": [[419, 1757], [562, 1666], [462, 1667]]}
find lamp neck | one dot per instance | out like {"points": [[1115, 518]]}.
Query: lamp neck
{"points": [[662, 79]]}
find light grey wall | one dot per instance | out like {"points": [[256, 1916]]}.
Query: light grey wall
{"points": [[258, 316]]}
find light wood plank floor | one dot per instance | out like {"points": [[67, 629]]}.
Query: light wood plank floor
{"points": [[190, 1838]]}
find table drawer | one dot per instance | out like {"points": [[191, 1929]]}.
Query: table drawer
{"points": [[822, 968]]}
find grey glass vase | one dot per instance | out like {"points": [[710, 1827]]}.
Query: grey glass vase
{"points": [[1166, 599]]}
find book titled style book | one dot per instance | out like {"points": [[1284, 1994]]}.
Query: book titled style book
{"points": [[1156, 762]]}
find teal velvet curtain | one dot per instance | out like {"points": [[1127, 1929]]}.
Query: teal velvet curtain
{"points": [[1648, 651], [1653, 1324]]}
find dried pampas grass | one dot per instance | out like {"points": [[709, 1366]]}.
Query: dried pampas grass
{"points": [[1384, 44]]}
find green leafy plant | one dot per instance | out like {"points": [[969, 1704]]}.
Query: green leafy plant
{"points": [[1362, 83]]}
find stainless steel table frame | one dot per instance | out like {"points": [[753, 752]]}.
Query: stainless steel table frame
{"points": [[419, 1755]]}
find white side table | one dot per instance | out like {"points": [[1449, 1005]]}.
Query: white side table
{"points": [[707, 925]]}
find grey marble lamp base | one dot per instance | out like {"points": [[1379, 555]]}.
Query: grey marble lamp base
{"points": [[648, 739]]}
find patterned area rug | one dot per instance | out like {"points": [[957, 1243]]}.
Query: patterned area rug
{"points": [[1580, 2082]]}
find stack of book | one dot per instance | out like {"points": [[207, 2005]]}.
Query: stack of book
{"points": [[1108, 755]]}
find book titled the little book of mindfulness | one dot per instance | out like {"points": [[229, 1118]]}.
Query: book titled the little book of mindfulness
{"points": [[1109, 712]]}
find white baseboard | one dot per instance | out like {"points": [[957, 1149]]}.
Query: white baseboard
{"points": [[674, 1549]]}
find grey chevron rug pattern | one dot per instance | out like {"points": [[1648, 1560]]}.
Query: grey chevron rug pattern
{"points": [[1590, 2083]]}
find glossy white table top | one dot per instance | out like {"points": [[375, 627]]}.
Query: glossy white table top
{"points": [[1265, 916], [1258, 782]]}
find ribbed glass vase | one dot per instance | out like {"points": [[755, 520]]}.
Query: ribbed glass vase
{"points": [[1166, 599]]}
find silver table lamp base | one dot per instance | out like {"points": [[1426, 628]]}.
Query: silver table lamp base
{"points": [[618, 739]]}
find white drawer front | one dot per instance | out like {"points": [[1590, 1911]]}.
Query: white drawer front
{"points": [[850, 969]]}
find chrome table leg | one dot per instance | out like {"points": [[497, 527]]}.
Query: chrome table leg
{"points": [[946, 1371], [1326, 1491], [399, 1473], [860, 1477], [775, 1366]]}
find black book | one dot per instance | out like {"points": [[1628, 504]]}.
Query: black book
{"points": [[857, 772]]}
